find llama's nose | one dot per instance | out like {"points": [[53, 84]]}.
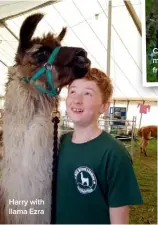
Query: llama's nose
{"points": [[68, 56], [81, 58], [81, 53], [74, 59]]}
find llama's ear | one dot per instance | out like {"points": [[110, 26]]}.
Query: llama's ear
{"points": [[27, 30], [62, 34]]}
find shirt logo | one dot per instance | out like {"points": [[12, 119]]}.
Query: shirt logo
{"points": [[85, 179]]}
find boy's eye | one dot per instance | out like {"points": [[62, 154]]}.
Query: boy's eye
{"points": [[71, 91], [88, 93]]}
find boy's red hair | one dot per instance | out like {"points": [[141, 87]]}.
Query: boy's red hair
{"points": [[103, 82]]}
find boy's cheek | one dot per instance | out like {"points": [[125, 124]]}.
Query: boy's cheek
{"points": [[68, 101]]}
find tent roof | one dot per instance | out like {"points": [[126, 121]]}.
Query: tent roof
{"points": [[10, 9], [87, 27]]}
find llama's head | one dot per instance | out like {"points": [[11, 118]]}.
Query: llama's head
{"points": [[60, 65]]}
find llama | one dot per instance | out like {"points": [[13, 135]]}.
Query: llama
{"points": [[85, 181], [27, 126], [145, 133]]}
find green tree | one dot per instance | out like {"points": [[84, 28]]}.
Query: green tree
{"points": [[151, 29]]}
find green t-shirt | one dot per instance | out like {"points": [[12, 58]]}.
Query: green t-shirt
{"points": [[92, 177]]}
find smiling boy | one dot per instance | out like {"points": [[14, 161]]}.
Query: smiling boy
{"points": [[95, 179]]}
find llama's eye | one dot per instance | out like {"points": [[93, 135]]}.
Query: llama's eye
{"points": [[42, 54]]}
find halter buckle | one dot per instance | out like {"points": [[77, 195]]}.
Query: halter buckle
{"points": [[48, 66]]}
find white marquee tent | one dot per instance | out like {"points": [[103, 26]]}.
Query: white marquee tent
{"points": [[87, 22]]}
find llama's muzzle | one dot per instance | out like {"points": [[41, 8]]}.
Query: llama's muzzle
{"points": [[72, 57]]}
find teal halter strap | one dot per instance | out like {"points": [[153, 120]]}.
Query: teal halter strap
{"points": [[46, 69]]}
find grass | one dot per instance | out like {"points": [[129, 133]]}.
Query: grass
{"points": [[146, 172]]}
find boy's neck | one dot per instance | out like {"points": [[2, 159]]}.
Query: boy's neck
{"points": [[82, 134]]}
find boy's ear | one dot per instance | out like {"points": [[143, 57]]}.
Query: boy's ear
{"points": [[104, 107]]}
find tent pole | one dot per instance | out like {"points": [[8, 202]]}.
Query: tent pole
{"points": [[127, 107], [126, 115], [109, 37], [114, 103], [106, 114], [141, 116], [134, 16]]}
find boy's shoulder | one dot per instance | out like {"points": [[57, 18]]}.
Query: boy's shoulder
{"points": [[111, 142], [115, 148]]}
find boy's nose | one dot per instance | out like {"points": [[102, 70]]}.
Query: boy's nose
{"points": [[78, 99]]}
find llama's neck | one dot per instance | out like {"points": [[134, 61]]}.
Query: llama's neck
{"points": [[22, 106], [28, 145], [26, 119]]}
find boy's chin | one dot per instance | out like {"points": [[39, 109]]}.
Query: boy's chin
{"points": [[76, 121], [80, 123]]}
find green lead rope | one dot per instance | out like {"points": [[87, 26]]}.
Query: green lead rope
{"points": [[48, 72]]}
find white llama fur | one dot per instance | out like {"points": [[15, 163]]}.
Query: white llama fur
{"points": [[28, 146]]}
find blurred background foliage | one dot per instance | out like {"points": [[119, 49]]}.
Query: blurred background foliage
{"points": [[151, 41]]}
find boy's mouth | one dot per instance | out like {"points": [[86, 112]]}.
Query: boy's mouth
{"points": [[76, 110]]}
